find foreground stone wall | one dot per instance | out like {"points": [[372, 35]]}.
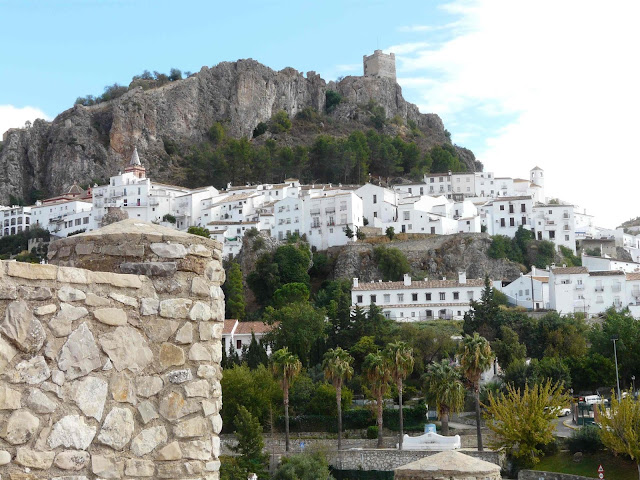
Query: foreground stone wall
{"points": [[535, 475], [390, 459], [112, 370]]}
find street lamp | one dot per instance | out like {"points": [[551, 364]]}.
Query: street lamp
{"points": [[633, 381], [615, 354]]}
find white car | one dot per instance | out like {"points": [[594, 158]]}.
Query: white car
{"points": [[563, 412]]}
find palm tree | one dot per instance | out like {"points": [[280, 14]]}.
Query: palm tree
{"points": [[377, 372], [445, 389], [401, 365], [475, 357], [337, 369], [286, 366]]}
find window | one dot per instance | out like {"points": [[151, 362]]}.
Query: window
{"points": [[401, 297], [510, 208], [552, 235], [526, 292], [433, 230], [414, 297], [599, 299], [443, 296], [413, 314], [501, 206], [427, 296], [387, 298], [566, 238], [410, 190], [502, 222], [406, 215], [375, 214], [239, 344], [431, 180], [375, 199], [429, 313], [373, 299], [512, 222], [524, 220], [470, 295], [359, 299], [421, 190], [456, 295]]}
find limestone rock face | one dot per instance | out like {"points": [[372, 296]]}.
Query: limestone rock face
{"points": [[117, 428], [92, 142], [71, 431], [21, 326], [127, 349], [79, 355]]}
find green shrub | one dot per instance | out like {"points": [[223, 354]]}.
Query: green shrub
{"points": [[260, 129], [372, 432], [169, 218], [392, 263], [333, 99], [280, 122], [585, 440]]}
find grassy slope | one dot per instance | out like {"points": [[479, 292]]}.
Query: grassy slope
{"points": [[615, 468]]}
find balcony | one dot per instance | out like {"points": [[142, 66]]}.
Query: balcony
{"points": [[580, 286], [331, 224], [616, 288], [565, 216], [635, 293], [314, 211], [330, 210], [599, 289]]}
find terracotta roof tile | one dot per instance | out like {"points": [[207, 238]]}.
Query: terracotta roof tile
{"points": [[633, 276], [569, 270], [607, 273], [418, 284]]}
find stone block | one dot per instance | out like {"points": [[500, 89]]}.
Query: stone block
{"points": [[122, 388], [159, 330], [139, 468], [127, 349], [169, 452], [39, 402], [72, 460], [199, 388], [70, 294], [199, 250], [90, 394], [117, 428], [124, 299], [216, 423], [32, 271], [71, 432], [34, 293], [175, 307], [180, 376], [170, 355], [169, 250], [148, 386], [200, 352], [150, 269], [5, 457], [32, 371], [61, 324], [193, 427], [116, 280], [173, 406], [64, 252], [9, 398], [210, 331], [185, 334], [200, 287], [196, 449], [201, 312], [149, 306], [34, 459], [21, 426], [8, 292], [46, 309], [106, 467], [79, 355], [193, 264], [111, 316], [94, 300], [84, 248], [148, 440], [21, 326], [147, 411], [73, 275]]}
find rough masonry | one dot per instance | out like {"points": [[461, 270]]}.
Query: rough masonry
{"points": [[110, 357]]}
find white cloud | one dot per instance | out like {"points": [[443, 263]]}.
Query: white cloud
{"points": [[405, 48], [415, 28], [15, 117], [561, 75]]}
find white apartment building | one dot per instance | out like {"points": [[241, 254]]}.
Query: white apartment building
{"points": [[137, 195], [438, 184], [504, 215], [328, 214], [556, 223], [288, 218], [236, 335], [63, 217], [187, 208], [607, 264], [379, 204], [484, 184], [519, 292], [412, 301], [415, 216], [577, 290], [15, 219], [463, 184]]}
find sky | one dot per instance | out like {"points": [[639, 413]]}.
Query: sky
{"points": [[522, 84]]}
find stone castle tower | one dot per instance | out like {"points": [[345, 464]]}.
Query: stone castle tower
{"points": [[380, 65]]}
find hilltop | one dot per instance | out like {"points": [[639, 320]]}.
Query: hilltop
{"points": [[171, 125]]}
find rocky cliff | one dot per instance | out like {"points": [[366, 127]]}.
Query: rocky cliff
{"points": [[433, 257], [91, 143]]}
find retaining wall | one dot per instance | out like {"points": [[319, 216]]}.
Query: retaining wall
{"points": [[535, 475], [112, 370]]}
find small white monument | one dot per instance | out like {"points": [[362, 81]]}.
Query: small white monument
{"points": [[430, 441]]}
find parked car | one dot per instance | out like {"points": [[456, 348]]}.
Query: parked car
{"points": [[563, 412]]}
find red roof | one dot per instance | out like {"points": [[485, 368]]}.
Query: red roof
{"points": [[245, 328]]}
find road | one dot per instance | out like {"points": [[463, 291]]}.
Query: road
{"points": [[561, 430]]}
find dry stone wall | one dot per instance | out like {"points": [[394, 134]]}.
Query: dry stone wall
{"points": [[110, 358]]}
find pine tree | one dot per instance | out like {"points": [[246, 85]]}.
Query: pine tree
{"points": [[234, 293], [256, 354], [250, 444]]}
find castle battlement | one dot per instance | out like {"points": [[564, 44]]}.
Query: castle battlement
{"points": [[380, 65]]}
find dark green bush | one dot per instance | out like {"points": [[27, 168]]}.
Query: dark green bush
{"points": [[585, 440], [372, 432]]}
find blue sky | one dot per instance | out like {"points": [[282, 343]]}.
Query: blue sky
{"points": [[520, 83]]}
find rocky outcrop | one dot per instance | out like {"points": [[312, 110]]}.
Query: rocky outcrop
{"points": [[91, 143], [433, 257]]}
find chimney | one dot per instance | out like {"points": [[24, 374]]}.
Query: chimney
{"points": [[407, 280], [462, 277], [355, 282], [533, 270]]}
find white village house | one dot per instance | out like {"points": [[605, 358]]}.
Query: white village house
{"points": [[412, 301]]}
